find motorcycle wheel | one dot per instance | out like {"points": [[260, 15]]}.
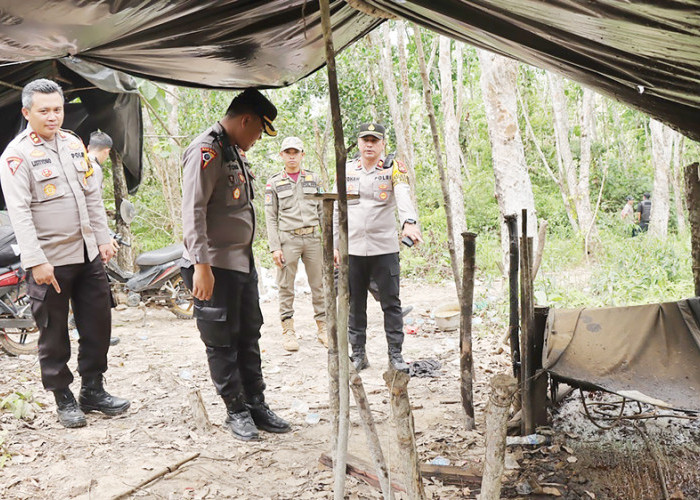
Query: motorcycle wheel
{"points": [[18, 341], [181, 303]]}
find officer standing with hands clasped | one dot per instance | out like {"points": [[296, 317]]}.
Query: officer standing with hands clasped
{"points": [[60, 223], [219, 225], [382, 184], [293, 229]]}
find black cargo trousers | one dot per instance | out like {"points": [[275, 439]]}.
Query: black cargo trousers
{"points": [[229, 325], [384, 270], [86, 286]]}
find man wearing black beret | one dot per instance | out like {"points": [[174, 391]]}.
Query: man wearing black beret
{"points": [[219, 224]]}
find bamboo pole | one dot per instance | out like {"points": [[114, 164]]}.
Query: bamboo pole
{"points": [[343, 294], [375, 447], [526, 328], [465, 328], [502, 389], [514, 320], [331, 317], [692, 197], [405, 434]]}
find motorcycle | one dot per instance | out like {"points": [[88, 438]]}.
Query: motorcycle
{"points": [[157, 281], [18, 331]]}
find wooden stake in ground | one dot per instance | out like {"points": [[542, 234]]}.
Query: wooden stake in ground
{"points": [[692, 197], [331, 315], [375, 448], [514, 319], [526, 329], [405, 434], [502, 389], [343, 293], [199, 412], [465, 328]]}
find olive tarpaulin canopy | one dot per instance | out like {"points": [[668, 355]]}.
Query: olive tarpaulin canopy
{"points": [[644, 53]]}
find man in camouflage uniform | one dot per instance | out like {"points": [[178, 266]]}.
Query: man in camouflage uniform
{"points": [[56, 211], [373, 245], [293, 229]]}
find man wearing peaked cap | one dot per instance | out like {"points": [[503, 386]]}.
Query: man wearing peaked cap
{"points": [[218, 221], [293, 229], [373, 243]]}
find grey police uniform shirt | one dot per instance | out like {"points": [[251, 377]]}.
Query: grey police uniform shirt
{"points": [[286, 206], [53, 199], [218, 218], [371, 218]]}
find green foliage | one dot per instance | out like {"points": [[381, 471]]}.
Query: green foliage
{"points": [[21, 404]]}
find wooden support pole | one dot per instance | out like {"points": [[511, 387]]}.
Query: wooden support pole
{"points": [[375, 447], [405, 431], [465, 328], [502, 389], [692, 197], [343, 293], [514, 318], [526, 327], [540, 377], [331, 316]]}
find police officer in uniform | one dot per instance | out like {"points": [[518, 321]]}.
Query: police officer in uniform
{"points": [[219, 224], [382, 184], [293, 229], [55, 207]]}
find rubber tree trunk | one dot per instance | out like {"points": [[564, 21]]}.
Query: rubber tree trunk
{"points": [[661, 149], [331, 318], [692, 198], [465, 330]]}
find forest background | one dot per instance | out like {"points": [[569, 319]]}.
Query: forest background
{"points": [[510, 136]]}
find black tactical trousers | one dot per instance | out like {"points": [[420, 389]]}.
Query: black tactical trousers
{"points": [[229, 325], [86, 286], [384, 270]]}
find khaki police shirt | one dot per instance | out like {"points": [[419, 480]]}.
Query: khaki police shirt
{"points": [[287, 207], [53, 199], [218, 219], [371, 218]]}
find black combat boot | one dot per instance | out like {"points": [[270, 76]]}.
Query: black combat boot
{"points": [[69, 413], [93, 397], [359, 357], [239, 420], [264, 417], [396, 359]]}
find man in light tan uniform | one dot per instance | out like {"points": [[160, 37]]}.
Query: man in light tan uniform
{"points": [[293, 230], [373, 243], [59, 220]]}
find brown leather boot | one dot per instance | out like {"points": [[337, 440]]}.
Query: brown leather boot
{"points": [[321, 335], [289, 338]]}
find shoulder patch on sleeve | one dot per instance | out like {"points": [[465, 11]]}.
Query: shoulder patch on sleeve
{"points": [[398, 173], [207, 154], [13, 163]]}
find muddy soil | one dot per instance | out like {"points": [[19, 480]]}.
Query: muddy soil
{"points": [[160, 362]]}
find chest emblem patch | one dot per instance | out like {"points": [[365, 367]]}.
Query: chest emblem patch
{"points": [[75, 145], [49, 190], [37, 153], [13, 163], [384, 186], [46, 172], [383, 195], [236, 193], [208, 154]]}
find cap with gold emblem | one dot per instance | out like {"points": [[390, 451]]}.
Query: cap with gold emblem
{"points": [[252, 99], [373, 129]]}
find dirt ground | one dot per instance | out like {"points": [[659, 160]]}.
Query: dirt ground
{"points": [[160, 361]]}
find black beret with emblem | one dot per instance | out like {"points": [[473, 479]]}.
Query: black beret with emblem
{"points": [[253, 100], [373, 129]]}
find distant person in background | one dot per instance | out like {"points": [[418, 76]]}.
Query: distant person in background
{"points": [[643, 214], [627, 213]]}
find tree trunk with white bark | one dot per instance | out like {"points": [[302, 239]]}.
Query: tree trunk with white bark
{"points": [[513, 186], [678, 196], [661, 149], [451, 137]]}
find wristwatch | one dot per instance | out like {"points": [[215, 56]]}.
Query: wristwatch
{"points": [[409, 221]]}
